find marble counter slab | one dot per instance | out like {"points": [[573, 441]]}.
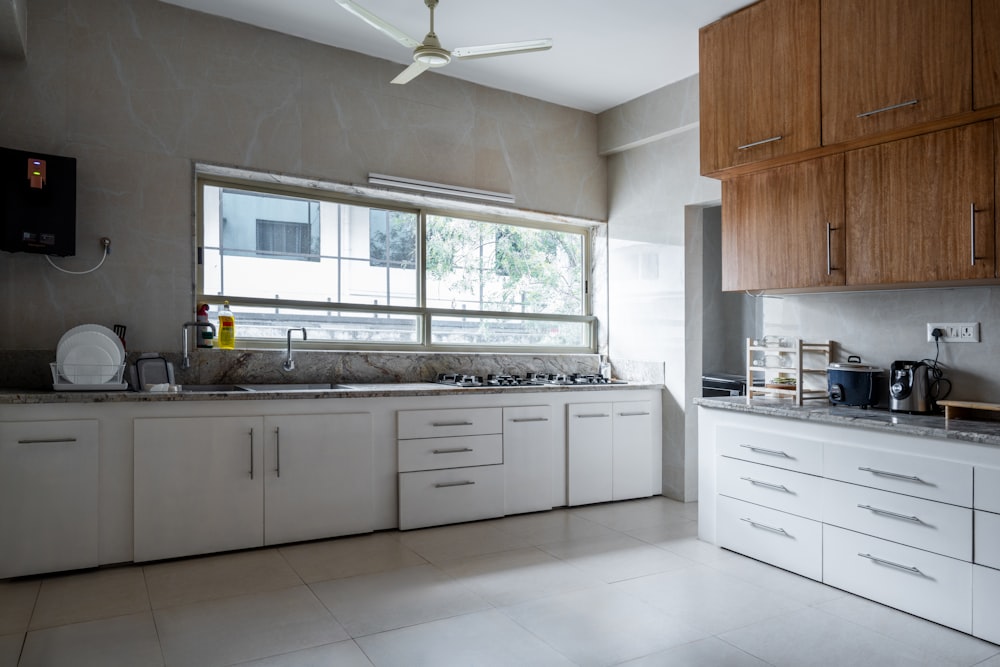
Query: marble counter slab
{"points": [[926, 426]]}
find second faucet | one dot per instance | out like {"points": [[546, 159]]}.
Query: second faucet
{"points": [[289, 365]]}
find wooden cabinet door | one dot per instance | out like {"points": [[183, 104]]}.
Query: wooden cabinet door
{"points": [[921, 209], [759, 84], [888, 64], [784, 228], [985, 53]]}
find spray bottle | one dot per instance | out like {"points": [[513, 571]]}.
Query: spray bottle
{"points": [[205, 334]]}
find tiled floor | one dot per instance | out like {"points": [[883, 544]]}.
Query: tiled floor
{"points": [[627, 583]]}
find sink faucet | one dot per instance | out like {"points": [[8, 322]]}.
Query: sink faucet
{"points": [[185, 359], [289, 365]]}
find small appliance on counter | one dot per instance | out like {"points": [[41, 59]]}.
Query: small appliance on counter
{"points": [[852, 383], [909, 387]]}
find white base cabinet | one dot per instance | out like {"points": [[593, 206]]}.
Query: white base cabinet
{"points": [[609, 451], [788, 541], [527, 459]]}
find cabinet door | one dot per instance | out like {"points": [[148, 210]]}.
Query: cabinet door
{"points": [[632, 456], [527, 459], [199, 485], [318, 477], [589, 459], [759, 81], [921, 209], [986, 603], [784, 227], [985, 53], [890, 64], [48, 491]]}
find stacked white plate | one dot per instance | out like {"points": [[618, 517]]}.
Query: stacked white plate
{"points": [[90, 356]]}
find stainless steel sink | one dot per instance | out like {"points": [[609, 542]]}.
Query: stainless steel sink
{"points": [[276, 387], [211, 388]]}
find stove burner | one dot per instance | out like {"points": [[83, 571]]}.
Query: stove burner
{"points": [[459, 380], [530, 379]]}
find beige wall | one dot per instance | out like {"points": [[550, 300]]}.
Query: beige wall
{"points": [[139, 90]]}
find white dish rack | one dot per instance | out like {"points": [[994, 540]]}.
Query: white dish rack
{"points": [[71, 377]]}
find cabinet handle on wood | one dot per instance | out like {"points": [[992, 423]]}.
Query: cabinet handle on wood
{"points": [[972, 234], [593, 416], [445, 485], [761, 450], [757, 482], [45, 441], [882, 561], [529, 419], [632, 414], [915, 519], [765, 526], [891, 107], [895, 475], [759, 143], [439, 424], [277, 450], [829, 249], [453, 450], [251, 453]]}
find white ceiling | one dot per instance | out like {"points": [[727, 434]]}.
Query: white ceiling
{"points": [[605, 52]]}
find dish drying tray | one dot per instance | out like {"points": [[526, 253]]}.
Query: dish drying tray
{"points": [[66, 376]]}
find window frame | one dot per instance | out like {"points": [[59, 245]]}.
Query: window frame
{"points": [[424, 315]]}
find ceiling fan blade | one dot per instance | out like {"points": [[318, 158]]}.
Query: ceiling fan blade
{"points": [[379, 24], [411, 72], [509, 48]]}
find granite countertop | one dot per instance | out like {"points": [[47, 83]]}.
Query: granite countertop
{"points": [[347, 390], [927, 426]]}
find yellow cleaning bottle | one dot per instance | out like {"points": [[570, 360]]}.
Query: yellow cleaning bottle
{"points": [[227, 328]]}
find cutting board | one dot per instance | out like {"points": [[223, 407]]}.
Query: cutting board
{"points": [[970, 410]]}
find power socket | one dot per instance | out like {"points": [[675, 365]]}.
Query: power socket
{"points": [[961, 332]]}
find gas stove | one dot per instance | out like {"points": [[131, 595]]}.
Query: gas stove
{"points": [[529, 380]]}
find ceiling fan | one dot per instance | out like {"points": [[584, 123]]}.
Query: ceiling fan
{"points": [[430, 53]]}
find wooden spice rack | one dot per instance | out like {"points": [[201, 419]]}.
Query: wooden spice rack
{"points": [[792, 363]]}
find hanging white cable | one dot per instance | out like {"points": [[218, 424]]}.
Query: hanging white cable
{"points": [[107, 250]]}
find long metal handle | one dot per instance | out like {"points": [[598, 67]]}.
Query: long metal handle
{"points": [[829, 251], [769, 485], [759, 143], [445, 485], [908, 568], [530, 419], [632, 414], [251, 453], [908, 103], [593, 416], [775, 529], [277, 450], [972, 233], [45, 441], [915, 519], [761, 450], [453, 450], [895, 475], [439, 424]]}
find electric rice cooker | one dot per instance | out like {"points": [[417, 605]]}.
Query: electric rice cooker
{"points": [[852, 383]]}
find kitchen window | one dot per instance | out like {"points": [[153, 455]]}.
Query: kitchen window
{"points": [[376, 274]]}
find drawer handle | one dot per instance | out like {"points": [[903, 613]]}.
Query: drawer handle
{"points": [[761, 450], [757, 482], [759, 143], [915, 519], [521, 420], [632, 414], [593, 416], [251, 453], [45, 441], [766, 527], [894, 475], [891, 107], [437, 424], [453, 450], [445, 485], [882, 561]]}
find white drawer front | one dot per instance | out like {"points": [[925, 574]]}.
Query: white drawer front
{"points": [[785, 490], [446, 423], [436, 497], [987, 493], [935, 587], [986, 603], [437, 453], [771, 448], [921, 476], [987, 539], [925, 524], [786, 541]]}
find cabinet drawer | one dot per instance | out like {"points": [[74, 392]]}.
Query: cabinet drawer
{"points": [[436, 497], [438, 423], [925, 524], [770, 448], [789, 542], [921, 476], [785, 490], [986, 604], [987, 531], [935, 587], [437, 453], [987, 489]]}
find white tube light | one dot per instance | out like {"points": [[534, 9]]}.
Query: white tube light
{"points": [[439, 188]]}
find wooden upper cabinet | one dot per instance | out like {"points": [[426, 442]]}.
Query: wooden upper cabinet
{"points": [[889, 64], [921, 209], [759, 84], [783, 228], [985, 53]]}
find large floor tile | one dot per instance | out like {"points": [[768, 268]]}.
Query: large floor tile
{"points": [[90, 596], [601, 626], [246, 627], [484, 639], [805, 590], [348, 557], [814, 638], [554, 526], [10, 649], [128, 641], [665, 535], [709, 652], [372, 603], [615, 558], [446, 543], [640, 513], [511, 577], [17, 600], [210, 577], [342, 654]]}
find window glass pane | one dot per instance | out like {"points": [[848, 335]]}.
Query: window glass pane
{"points": [[332, 325], [447, 330]]}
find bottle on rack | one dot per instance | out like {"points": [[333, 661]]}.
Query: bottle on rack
{"points": [[205, 334], [227, 328]]}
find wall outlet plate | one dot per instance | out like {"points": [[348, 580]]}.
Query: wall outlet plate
{"points": [[954, 332]]}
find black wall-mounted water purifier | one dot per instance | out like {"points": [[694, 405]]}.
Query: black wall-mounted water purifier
{"points": [[37, 203]]}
